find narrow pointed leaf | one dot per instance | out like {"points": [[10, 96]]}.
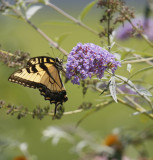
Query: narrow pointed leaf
{"points": [[112, 88], [61, 38], [42, 1], [127, 80], [32, 10], [86, 10], [129, 66], [117, 56], [145, 92]]}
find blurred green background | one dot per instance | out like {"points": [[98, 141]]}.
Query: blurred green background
{"points": [[17, 35]]}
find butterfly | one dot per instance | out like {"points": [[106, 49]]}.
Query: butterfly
{"points": [[43, 73]]}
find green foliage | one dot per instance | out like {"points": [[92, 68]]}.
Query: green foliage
{"points": [[96, 114], [61, 38], [32, 11], [112, 88], [87, 9]]}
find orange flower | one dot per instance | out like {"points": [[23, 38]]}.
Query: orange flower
{"points": [[113, 140]]}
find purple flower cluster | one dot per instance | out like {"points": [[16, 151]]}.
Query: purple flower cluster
{"points": [[125, 31], [87, 60]]}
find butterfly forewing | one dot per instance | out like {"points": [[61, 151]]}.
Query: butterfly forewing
{"points": [[40, 60]]}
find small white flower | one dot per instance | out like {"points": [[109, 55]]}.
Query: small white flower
{"points": [[56, 134], [23, 147]]}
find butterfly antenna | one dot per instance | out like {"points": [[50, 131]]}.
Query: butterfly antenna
{"points": [[48, 54], [53, 51], [59, 55], [63, 58]]}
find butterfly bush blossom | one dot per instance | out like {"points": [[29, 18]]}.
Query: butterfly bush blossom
{"points": [[125, 31], [87, 60]]}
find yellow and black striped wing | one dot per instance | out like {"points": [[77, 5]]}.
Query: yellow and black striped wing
{"points": [[42, 73], [40, 60]]}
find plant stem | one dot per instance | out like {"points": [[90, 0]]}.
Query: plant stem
{"points": [[17, 12], [54, 44], [139, 71], [138, 30], [148, 62], [78, 22], [7, 53], [138, 60], [97, 107], [133, 87], [93, 109], [50, 114], [142, 35], [108, 28], [136, 106]]}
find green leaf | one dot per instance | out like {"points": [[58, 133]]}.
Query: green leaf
{"points": [[142, 112], [32, 10], [129, 66], [117, 56], [61, 38], [112, 88], [42, 1], [140, 71], [143, 53], [86, 10], [127, 80], [12, 16], [145, 92], [46, 1]]}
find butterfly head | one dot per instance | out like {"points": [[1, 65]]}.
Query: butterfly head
{"points": [[58, 60], [59, 63]]}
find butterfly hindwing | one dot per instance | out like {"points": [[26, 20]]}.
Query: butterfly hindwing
{"points": [[42, 73]]}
